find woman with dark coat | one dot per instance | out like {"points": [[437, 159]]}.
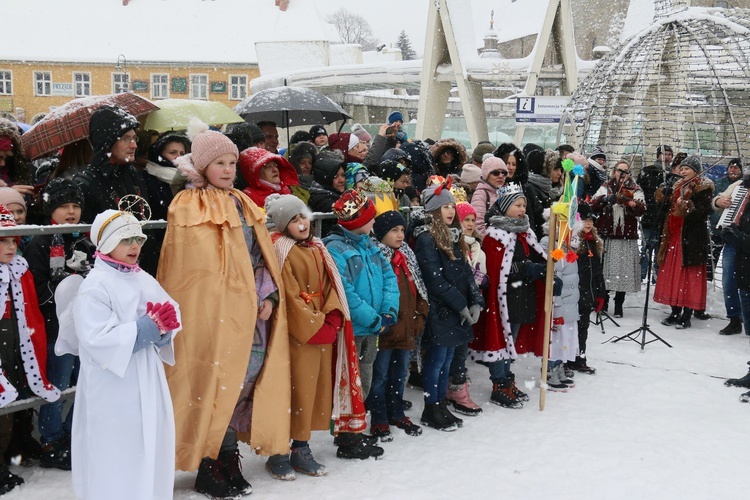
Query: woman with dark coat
{"points": [[683, 253], [421, 163], [160, 173], [454, 297], [329, 173]]}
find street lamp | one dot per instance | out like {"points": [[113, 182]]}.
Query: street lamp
{"points": [[122, 66]]}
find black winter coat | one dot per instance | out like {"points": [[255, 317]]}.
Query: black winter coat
{"points": [[590, 277], [450, 288], [650, 178], [522, 289], [742, 259]]}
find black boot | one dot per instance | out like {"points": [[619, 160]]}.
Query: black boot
{"points": [[619, 300], [740, 382], [56, 455], [213, 482], [518, 393], [230, 461], [352, 446], [8, 480], [733, 328], [502, 395], [673, 318], [450, 416], [685, 319], [433, 416], [702, 315], [22, 443]]}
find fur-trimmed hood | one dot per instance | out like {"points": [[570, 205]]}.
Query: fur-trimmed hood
{"points": [[459, 158], [16, 169]]}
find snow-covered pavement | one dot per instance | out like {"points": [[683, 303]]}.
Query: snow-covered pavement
{"points": [[657, 424]]}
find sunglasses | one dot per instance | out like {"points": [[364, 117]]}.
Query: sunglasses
{"points": [[497, 173], [133, 239]]}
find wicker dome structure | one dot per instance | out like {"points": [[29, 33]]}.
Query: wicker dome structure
{"points": [[684, 81]]}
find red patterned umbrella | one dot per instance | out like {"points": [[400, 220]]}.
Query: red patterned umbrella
{"points": [[70, 122]]}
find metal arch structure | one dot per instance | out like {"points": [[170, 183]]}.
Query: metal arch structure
{"points": [[683, 81]]}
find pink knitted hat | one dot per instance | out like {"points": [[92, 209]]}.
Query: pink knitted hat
{"points": [[490, 164], [463, 209], [207, 146]]}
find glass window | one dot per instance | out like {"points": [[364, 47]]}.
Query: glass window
{"points": [[6, 82], [42, 83], [120, 83], [159, 86], [82, 84], [199, 86], [237, 87]]}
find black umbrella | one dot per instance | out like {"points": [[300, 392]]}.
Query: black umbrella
{"points": [[290, 107]]}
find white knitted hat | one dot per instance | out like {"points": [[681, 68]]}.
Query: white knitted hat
{"points": [[112, 226]]}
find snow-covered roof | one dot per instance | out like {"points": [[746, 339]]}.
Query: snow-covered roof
{"points": [[154, 30]]}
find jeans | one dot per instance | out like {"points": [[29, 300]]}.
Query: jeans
{"points": [[499, 370], [435, 371], [458, 365], [729, 282], [650, 240], [745, 305], [389, 372], [59, 373]]}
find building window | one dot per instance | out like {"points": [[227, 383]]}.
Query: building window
{"points": [[120, 83], [159, 85], [42, 83], [199, 86], [6, 82], [237, 87], [82, 84]]}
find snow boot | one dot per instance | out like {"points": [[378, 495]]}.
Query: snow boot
{"points": [[56, 455], [415, 380], [745, 397], [581, 366], [685, 319], [518, 393], [568, 371], [733, 328], [280, 468], [230, 460], [701, 315], [458, 396], [673, 318], [353, 446], [563, 376], [371, 440], [8, 480], [740, 382], [408, 427], [406, 404], [502, 395], [450, 416], [619, 301], [22, 443], [432, 416], [302, 461], [554, 383], [213, 482], [382, 432]]}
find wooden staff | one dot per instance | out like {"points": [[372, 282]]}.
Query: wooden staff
{"points": [[548, 290]]}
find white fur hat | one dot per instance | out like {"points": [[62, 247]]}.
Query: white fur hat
{"points": [[112, 226]]}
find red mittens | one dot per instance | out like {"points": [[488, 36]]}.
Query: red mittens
{"points": [[327, 332]]}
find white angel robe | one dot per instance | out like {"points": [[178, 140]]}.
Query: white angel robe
{"points": [[123, 425]]}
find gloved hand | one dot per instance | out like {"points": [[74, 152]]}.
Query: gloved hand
{"points": [[465, 315], [327, 332], [164, 315], [388, 320], [599, 305], [611, 199], [474, 312], [535, 270], [557, 287]]}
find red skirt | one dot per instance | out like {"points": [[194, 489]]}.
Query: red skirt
{"points": [[677, 285]]}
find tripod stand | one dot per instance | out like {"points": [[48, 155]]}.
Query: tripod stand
{"points": [[603, 316], [644, 325]]}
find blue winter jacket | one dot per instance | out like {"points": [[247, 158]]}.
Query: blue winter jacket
{"points": [[368, 278]]}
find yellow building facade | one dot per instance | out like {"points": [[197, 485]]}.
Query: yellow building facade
{"points": [[28, 88]]}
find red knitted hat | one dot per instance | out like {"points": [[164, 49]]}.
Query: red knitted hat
{"points": [[463, 209], [6, 218], [353, 209]]}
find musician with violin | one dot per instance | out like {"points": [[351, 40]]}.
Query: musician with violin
{"points": [[683, 253], [731, 195], [619, 203]]}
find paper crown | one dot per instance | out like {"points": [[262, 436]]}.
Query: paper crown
{"points": [[349, 205], [459, 194], [510, 189], [380, 192]]}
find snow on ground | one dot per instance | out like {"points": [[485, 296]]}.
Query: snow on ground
{"points": [[651, 424]]}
